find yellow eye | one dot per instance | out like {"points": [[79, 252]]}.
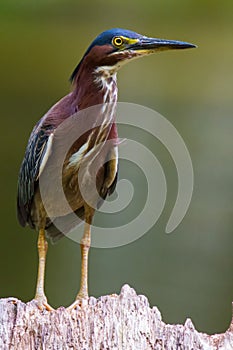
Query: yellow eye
{"points": [[117, 41]]}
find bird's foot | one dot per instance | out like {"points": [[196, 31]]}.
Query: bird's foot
{"points": [[41, 303], [81, 300]]}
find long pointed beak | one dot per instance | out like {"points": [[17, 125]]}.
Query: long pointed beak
{"points": [[149, 45]]}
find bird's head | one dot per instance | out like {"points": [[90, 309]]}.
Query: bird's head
{"points": [[114, 47]]}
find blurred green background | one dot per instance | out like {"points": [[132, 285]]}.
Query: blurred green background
{"points": [[187, 273]]}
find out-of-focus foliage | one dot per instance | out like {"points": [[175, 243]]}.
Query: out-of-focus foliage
{"points": [[187, 273]]}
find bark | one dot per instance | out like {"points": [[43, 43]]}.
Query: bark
{"points": [[116, 322]]}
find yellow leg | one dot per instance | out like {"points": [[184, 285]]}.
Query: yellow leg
{"points": [[40, 297], [85, 246]]}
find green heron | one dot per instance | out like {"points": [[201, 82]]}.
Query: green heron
{"points": [[94, 83]]}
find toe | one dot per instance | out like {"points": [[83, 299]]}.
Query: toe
{"points": [[42, 304], [79, 302]]}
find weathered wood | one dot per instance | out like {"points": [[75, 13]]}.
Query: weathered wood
{"points": [[114, 322]]}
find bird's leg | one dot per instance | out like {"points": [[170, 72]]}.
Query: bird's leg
{"points": [[40, 297], [85, 246]]}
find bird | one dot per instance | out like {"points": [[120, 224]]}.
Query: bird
{"points": [[93, 84]]}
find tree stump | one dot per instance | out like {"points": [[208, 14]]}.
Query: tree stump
{"points": [[113, 322]]}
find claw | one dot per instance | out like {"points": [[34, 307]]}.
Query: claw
{"points": [[79, 302], [12, 300], [42, 304]]}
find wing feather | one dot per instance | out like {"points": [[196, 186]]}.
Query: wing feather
{"points": [[35, 156]]}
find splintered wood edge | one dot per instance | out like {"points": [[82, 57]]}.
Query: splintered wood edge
{"points": [[111, 319]]}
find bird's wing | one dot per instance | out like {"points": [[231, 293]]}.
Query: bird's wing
{"points": [[36, 155]]}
